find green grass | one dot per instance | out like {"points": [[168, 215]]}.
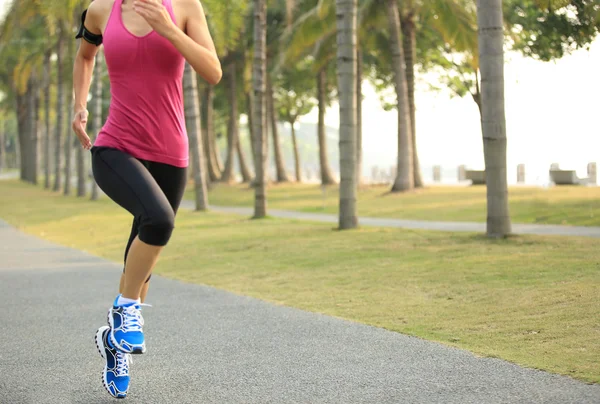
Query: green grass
{"points": [[560, 205], [530, 300]]}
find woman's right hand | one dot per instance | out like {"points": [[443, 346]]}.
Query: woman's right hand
{"points": [[78, 125]]}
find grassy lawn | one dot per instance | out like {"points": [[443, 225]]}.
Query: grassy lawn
{"points": [[560, 205], [531, 300]]}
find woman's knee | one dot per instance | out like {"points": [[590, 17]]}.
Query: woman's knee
{"points": [[156, 229]]}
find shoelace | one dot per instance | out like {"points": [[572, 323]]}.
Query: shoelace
{"points": [[133, 320], [123, 362]]}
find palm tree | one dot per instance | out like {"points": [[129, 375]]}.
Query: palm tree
{"points": [[359, 101], [273, 117], [244, 168], [259, 120], [47, 127], [215, 165], [192, 118], [81, 171], [409, 44], [313, 34], [60, 109], [325, 168], [493, 120], [96, 108], [404, 177], [449, 17], [2, 144], [68, 134], [346, 18], [60, 17], [21, 44], [233, 132], [226, 20], [294, 96]]}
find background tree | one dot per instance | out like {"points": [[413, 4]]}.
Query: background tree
{"points": [[192, 118], [2, 143], [405, 179], [47, 122], [227, 21], [550, 29], [491, 56], [96, 107], [346, 11], [21, 49], [294, 96], [259, 121]]}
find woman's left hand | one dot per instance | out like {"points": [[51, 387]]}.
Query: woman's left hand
{"points": [[156, 15]]}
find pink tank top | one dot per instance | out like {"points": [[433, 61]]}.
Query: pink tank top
{"points": [[146, 116]]}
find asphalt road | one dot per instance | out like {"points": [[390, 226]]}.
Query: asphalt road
{"points": [[211, 346]]}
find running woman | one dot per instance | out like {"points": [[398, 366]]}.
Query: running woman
{"points": [[140, 156]]}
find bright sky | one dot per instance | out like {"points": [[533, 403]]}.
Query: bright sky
{"points": [[3, 5], [552, 114]]}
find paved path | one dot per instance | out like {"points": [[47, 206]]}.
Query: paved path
{"points": [[539, 229], [210, 346], [11, 175]]}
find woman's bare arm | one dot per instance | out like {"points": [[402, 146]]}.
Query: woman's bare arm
{"points": [[196, 44], [83, 69]]}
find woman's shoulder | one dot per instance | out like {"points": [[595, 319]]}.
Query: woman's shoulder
{"points": [[101, 8], [98, 13], [185, 4], [187, 8]]}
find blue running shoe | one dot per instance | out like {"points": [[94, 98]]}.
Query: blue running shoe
{"points": [[126, 332], [115, 376]]}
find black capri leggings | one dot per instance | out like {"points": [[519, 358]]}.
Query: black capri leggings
{"points": [[150, 191]]}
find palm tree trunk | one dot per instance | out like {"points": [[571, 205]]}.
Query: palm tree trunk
{"points": [[359, 101], [212, 172], [259, 121], [493, 119], [296, 154], [80, 171], [210, 131], [2, 146], [346, 20], [96, 109], [33, 149], [281, 173], [18, 153], [60, 108], [68, 148], [405, 179], [47, 119], [21, 130], [326, 175], [232, 132], [245, 170], [26, 115], [69, 137], [409, 40], [192, 118], [250, 127]]}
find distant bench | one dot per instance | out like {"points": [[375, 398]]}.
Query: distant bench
{"points": [[565, 177], [477, 177]]}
